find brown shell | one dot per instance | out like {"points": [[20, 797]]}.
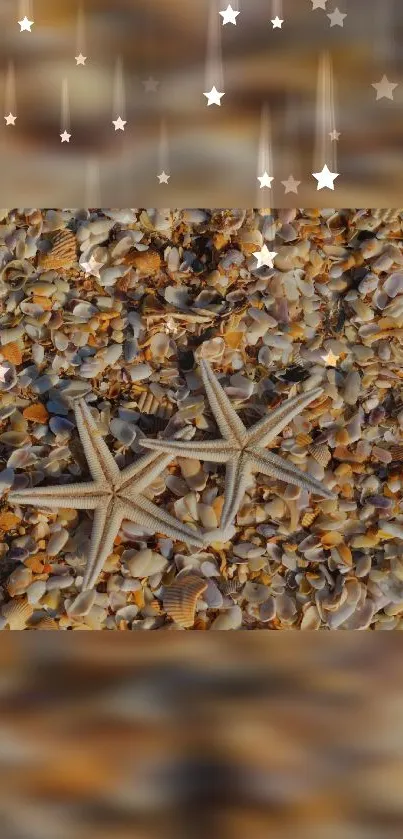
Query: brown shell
{"points": [[17, 612], [303, 440], [63, 253], [146, 262], [321, 453], [180, 599], [36, 413], [309, 517], [396, 452], [12, 353], [8, 520], [47, 623]]}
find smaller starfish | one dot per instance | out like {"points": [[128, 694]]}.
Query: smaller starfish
{"points": [[213, 96], [65, 137], [277, 23], [25, 24], [115, 495], [264, 257], [291, 185], [265, 180], [229, 15], [119, 124], [336, 18], [10, 120], [325, 178], [330, 359], [241, 449], [92, 266], [163, 178], [384, 88], [81, 59]]}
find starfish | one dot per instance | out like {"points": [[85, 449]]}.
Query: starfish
{"points": [[241, 449], [115, 495]]}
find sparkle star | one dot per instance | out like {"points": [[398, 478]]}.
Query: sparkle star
{"points": [[150, 85], [325, 178], [265, 257], [213, 97], [336, 18], [25, 24], [318, 4], [229, 16], [65, 137], [163, 178], [384, 88], [330, 359], [119, 124], [291, 185], [277, 23], [81, 59], [10, 120], [92, 266], [334, 135], [265, 180]]}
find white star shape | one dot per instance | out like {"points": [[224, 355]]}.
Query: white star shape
{"points": [[318, 4], [214, 97], [92, 266], [334, 135], [325, 178], [384, 88], [81, 59], [65, 137], [264, 257], [119, 124], [3, 372], [229, 16], [336, 18], [10, 120], [265, 180], [330, 359], [277, 23], [151, 85], [163, 177], [25, 24], [291, 185]]}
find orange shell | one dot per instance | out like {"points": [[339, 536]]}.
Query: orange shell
{"points": [[147, 262], [12, 353], [63, 253], [36, 413], [8, 521], [180, 599]]}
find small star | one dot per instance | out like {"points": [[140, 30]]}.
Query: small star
{"points": [[318, 4], [330, 359], [265, 180], [163, 177], [277, 23], [336, 18], [265, 257], [229, 16], [325, 178], [119, 124], [92, 266], [65, 137], [25, 24], [384, 88], [10, 120], [213, 97], [81, 59], [151, 85], [3, 372], [291, 185], [334, 135]]}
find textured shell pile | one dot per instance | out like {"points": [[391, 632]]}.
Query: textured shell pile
{"points": [[119, 306]]}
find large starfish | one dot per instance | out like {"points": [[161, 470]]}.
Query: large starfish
{"points": [[114, 494], [242, 449]]}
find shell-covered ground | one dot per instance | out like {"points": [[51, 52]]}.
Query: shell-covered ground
{"points": [[118, 306]]}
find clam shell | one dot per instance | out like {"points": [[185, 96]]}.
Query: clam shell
{"points": [[320, 453], [179, 600], [17, 612], [62, 254], [47, 623]]}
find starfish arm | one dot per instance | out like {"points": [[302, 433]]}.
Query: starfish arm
{"points": [[269, 427], [236, 478], [218, 451], [227, 419], [100, 460], [144, 512], [106, 525], [271, 464], [85, 496]]}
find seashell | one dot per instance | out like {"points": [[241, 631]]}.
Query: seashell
{"points": [[179, 599], [36, 413], [46, 623], [255, 592], [303, 440], [19, 581], [267, 610], [8, 521], [231, 619], [123, 431], [35, 591], [62, 253], [311, 618], [57, 541], [11, 352], [286, 608], [321, 453], [17, 612], [396, 452], [232, 587], [309, 517], [352, 387], [6, 480], [160, 345], [144, 562], [394, 284], [146, 262]]}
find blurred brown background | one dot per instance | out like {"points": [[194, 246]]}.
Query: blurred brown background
{"points": [[233, 738], [212, 151]]}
